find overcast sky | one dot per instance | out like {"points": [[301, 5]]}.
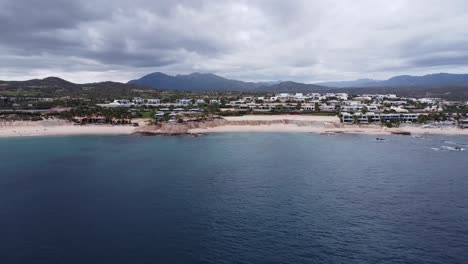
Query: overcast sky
{"points": [[258, 40]]}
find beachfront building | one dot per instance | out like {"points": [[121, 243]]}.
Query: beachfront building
{"points": [[308, 107], [369, 117], [360, 118], [395, 117], [347, 118], [372, 117], [463, 123], [327, 108], [409, 118]]}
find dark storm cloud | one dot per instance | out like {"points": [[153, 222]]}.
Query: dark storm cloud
{"points": [[105, 31], [31, 16], [253, 40]]}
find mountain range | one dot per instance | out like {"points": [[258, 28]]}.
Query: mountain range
{"points": [[212, 82], [448, 86], [430, 80], [194, 82], [54, 86]]}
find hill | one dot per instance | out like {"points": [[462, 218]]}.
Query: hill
{"points": [[56, 87], [430, 80], [196, 82]]}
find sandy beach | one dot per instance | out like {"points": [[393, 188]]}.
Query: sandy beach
{"points": [[238, 124], [58, 128], [370, 130], [320, 125]]}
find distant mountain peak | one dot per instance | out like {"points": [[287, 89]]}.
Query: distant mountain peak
{"points": [[435, 79], [55, 79], [193, 82]]}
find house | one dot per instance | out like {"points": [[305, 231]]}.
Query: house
{"points": [[398, 109], [199, 102], [327, 108], [351, 108], [299, 97], [118, 103], [372, 117], [342, 96], [390, 117], [463, 124], [409, 117], [314, 96], [184, 102], [159, 115], [347, 118], [138, 101], [395, 103], [308, 107], [400, 117], [373, 107], [153, 102], [215, 101], [361, 118]]}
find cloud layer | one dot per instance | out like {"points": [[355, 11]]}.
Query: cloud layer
{"points": [[301, 40]]}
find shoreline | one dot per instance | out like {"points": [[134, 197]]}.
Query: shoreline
{"points": [[344, 130], [242, 124], [59, 128]]}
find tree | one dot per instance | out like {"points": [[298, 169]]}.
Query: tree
{"points": [[298, 105], [365, 109]]}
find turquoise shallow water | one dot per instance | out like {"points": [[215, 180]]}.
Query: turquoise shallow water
{"points": [[234, 198]]}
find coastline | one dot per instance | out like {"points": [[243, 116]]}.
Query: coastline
{"points": [[349, 129], [238, 124], [319, 125], [58, 128]]}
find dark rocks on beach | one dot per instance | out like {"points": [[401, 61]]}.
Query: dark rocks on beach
{"points": [[404, 133]]}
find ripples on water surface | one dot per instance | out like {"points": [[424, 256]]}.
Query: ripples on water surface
{"points": [[234, 198]]}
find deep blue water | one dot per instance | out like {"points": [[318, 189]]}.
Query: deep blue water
{"points": [[233, 198]]}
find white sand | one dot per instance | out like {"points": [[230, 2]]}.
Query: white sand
{"points": [[321, 125], [370, 130], [303, 124], [59, 128], [311, 118]]}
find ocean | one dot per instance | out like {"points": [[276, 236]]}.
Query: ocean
{"points": [[234, 198]]}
